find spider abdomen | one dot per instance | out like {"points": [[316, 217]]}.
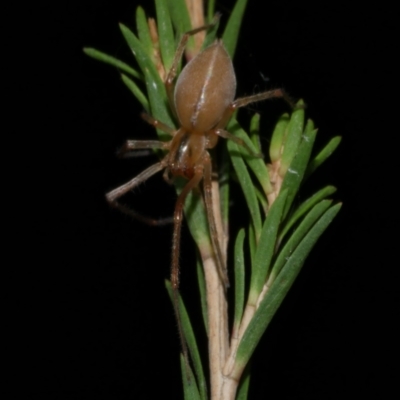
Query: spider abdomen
{"points": [[205, 89]]}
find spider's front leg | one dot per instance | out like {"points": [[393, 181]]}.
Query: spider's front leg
{"points": [[269, 94], [115, 194], [131, 145]]}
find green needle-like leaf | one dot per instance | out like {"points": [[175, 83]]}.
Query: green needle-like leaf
{"points": [[247, 185], [155, 86], [252, 245], [210, 9], [98, 55], [191, 342], [136, 92], [197, 218], [323, 155], [305, 207], [232, 29], [293, 139], [297, 236], [262, 199], [266, 247], [244, 384], [165, 34], [295, 172], [211, 34], [181, 19], [190, 390], [203, 293], [144, 32], [224, 187], [279, 289], [254, 132], [239, 278], [278, 138], [256, 164]]}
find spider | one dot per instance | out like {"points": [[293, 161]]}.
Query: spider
{"points": [[203, 101]]}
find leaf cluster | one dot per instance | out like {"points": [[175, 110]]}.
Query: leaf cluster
{"points": [[280, 234]]}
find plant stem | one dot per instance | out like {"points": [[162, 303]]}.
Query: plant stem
{"points": [[196, 13], [217, 307]]}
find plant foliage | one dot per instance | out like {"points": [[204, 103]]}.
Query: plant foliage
{"points": [[281, 233]]}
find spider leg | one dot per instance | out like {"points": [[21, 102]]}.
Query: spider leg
{"points": [[244, 101], [158, 124], [115, 194], [178, 216], [227, 135], [176, 238], [270, 94], [130, 145]]}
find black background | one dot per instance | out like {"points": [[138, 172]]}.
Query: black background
{"points": [[90, 317]]}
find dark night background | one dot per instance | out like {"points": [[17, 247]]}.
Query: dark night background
{"points": [[90, 314]]}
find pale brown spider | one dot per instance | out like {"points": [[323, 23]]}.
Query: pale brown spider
{"points": [[203, 101]]}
